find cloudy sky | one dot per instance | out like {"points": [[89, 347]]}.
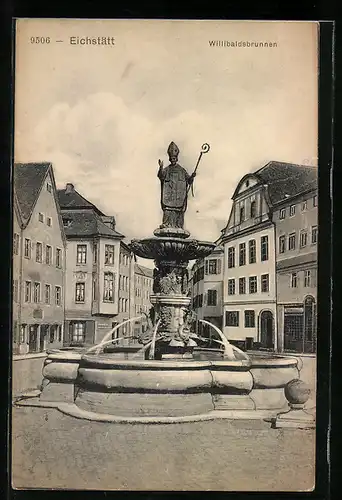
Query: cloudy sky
{"points": [[104, 115]]}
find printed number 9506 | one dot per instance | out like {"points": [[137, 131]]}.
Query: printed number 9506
{"points": [[40, 39]]}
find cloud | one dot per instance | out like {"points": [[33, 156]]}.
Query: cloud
{"points": [[110, 153]]}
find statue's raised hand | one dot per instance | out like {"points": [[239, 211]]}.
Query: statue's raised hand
{"points": [[161, 164]]}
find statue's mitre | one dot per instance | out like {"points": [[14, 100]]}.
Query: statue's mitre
{"points": [[173, 150]]}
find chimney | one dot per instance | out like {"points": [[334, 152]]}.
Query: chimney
{"points": [[69, 188]]}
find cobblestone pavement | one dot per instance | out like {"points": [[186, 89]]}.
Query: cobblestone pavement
{"points": [[52, 450]]}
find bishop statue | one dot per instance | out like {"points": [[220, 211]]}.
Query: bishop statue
{"points": [[175, 185]]}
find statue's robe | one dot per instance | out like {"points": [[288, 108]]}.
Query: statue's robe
{"points": [[174, 187]]}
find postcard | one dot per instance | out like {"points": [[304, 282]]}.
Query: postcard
{"points": [[165, 234]]}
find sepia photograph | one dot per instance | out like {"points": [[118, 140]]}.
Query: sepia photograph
{"points": [[164, 267]]}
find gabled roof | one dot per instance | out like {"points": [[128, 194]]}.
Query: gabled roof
{"points": [[28, 180], [86, 224], [284, 180], [144, 271], [71, 199]]}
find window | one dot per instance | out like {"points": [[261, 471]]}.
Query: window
{"points": [[126, 305], [314, 201], [80, 292], [67, 222], [15, 291], [48, 255], [95, 253], [282, 213], [292, 210], [39, 252], [303, 238], [264, 248], [41, 217], [231, 257], [81, 254], [294, 280], [307, 278], [22, 337], [212, 297], [49, 221], [109, 255], [47, 294], [231, 287], [242, 213], [27, 291], [49, 187], [249, 319], [58, 257], [59, 333], [16, 240], [253, 209], [292, 241], [232, 318], [212, 266], [252, 251], [27, 248], [253, 284], [36, 293], [304, 206], [58, 295], [108, 292], [242, 254], [77, 332], [314, 232], [265, 283], [242, 286], [282, 244]]}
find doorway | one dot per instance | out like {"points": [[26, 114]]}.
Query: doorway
{"points": [[266, 329], [33, 338]]}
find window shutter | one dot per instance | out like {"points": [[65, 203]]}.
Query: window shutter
{"points": [[219, 263], [206, 266]]}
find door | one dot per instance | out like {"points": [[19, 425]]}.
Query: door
{"points": [[266, 329], [33, 338]]}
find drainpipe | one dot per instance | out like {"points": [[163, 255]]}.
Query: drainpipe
{"points": [[277, 347], [20, 281]]}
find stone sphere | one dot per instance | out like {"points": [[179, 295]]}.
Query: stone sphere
{"points": [[297, 392]]}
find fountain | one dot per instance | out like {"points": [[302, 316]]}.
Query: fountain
{"points": [[170, 378]]}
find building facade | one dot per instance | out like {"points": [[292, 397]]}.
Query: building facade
{"points": [[249, 285], [296, 237], [92, 269], [126, 305], [270, 261], [143, 289], [207, 290], [38, 260]]}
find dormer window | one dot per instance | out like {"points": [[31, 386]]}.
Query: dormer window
{"points": [[49, 187], [247, 183], [67, 222]]}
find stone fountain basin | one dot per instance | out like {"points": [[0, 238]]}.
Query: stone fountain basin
{"points": [[103, 384], [164, 247]]}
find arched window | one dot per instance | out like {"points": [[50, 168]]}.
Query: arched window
{"points": [[108, 289]]}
